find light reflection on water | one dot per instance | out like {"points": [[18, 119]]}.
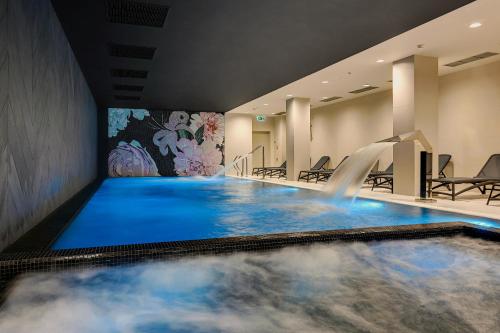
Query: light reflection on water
{"points": [[142, 210], [431, 285]]}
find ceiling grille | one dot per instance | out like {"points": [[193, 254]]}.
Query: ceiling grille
{"points": [[471, 59], [131, 73], [136, 13], [127, 98], [127, 87], [359, 91], [131, 51], [279, 113], [329, 99]]}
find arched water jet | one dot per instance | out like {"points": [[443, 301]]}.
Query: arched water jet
{"points": [[347, 180]]}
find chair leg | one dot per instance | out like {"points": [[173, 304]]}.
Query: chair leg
{"points": [[453, 191]]}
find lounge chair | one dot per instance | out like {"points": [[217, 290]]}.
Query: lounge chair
{"points": [[488, 175], [385, 179], [373, 171], [382, 179], [312, 173], [275, 171], [494, 196], [260, 170], [324, 175]]}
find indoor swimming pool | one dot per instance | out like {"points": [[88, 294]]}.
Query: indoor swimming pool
{"points": [[443, 284], [146, 210]]}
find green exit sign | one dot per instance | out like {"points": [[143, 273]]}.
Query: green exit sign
{"points": [[260, 117]]}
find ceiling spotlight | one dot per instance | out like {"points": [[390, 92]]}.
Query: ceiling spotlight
{"points": [[380, 60], [474, 25], [324, 97], [289, 95], [324, 82], [366, 85], [265, 104]]}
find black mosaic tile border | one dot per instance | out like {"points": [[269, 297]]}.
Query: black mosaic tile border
{"points": [[12, 264]]}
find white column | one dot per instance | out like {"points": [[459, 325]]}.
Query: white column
{"points": [[415, 107], [298, 136]]}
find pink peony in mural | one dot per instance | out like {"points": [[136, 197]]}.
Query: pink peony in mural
{"points": [[212, 125], [197, 160]]}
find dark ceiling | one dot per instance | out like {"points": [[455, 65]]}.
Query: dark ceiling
{"points": [[214, 55]]}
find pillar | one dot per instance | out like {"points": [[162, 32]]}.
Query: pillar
{"points": [[298, 136], [415, 107]]}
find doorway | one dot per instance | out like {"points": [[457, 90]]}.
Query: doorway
{"points": [[264, 139]]}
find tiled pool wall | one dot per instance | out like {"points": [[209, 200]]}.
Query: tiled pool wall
{"points": [[47, 260]]}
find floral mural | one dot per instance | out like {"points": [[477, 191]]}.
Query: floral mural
{"points": [[164, 143]]}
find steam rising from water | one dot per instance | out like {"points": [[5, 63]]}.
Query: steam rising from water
{"points": [[349, 177], [433, 285]]}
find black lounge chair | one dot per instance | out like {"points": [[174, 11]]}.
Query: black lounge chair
{"points": [[324, 175], [260, 170], [488, 175], [307, 175], [275, 171], [382, 179], [385, 179], [494, 197], [373, 171]]}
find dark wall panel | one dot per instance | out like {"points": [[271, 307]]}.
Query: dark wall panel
{"points": [[48, 133]]}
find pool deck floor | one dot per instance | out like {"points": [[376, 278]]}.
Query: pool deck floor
{"points": [[473, 204]]}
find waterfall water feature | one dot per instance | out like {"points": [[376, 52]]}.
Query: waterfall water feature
{"points": [[348, 178], [228, 167]]}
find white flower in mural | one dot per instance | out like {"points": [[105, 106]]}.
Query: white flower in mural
{"points": [[118, 119], [197, 160], [212, 124]]}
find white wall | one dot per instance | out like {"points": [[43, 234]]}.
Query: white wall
{"points": [[340, 129], [238, 129], [469, 117]]}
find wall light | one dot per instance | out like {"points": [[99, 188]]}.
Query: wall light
{"points": [[475, 25]]}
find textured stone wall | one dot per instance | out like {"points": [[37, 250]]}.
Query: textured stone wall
{"points": [[48, 126]]}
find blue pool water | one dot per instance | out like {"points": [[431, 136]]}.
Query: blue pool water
{"points": [[144, 210]]}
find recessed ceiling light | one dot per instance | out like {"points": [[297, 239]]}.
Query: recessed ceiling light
{"points": [[265, 104], [324, 82], [273, 113], [474, 25], [380, 60], [366, 85], [324, 97], [289, 95]]}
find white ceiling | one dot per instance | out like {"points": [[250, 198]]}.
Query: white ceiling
{"points": [[448, 38]]}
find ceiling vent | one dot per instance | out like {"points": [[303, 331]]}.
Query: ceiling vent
{"points": [[329, 99], [127, 87], [279, 114], [127, 98], [131, 51], [129, 73], [136, 13], [359, 91], [477, 57]]}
